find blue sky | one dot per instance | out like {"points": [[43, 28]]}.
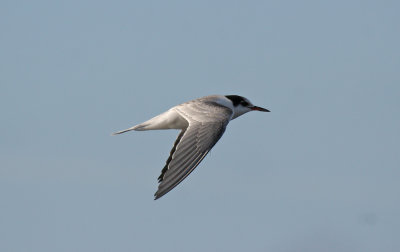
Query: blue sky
{"points": [[318, 173]]}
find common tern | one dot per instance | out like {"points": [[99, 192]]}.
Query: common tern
{"points": [[202, 122]]}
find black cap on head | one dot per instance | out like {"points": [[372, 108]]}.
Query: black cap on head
{"points": [[236, 99]]}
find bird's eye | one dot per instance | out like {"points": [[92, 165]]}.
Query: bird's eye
{"points": [[244, 103]]}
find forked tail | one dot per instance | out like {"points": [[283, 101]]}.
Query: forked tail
{"points": [[137, 127]]}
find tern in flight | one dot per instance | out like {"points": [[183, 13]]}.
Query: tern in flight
{"points": [[202, 122]]}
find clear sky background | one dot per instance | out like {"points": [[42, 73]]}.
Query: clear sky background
{"points": [[319, 173]]}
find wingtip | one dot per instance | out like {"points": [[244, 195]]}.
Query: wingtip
{"points": [[159, 194]]}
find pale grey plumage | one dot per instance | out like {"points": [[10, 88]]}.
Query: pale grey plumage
{"points": [[194, 142]]}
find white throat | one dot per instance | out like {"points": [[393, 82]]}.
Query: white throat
{"points": [[239, 110]]}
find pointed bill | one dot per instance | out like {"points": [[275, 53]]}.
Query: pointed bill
{"points": [[259, 109]]}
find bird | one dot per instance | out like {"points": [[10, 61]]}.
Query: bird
{"points": [[202, 122]]}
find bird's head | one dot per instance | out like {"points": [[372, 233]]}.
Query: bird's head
{"points": [[242, 105]]}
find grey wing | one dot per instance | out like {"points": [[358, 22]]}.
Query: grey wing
{"points": [[190, 148]]}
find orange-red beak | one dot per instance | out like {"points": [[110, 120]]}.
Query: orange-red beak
{"points": [[259, 109]]}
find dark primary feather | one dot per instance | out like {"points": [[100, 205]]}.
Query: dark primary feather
{"points": [[164, 170], [187, 154]]}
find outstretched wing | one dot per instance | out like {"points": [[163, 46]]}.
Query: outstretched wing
{"points": [[207, 123]]}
